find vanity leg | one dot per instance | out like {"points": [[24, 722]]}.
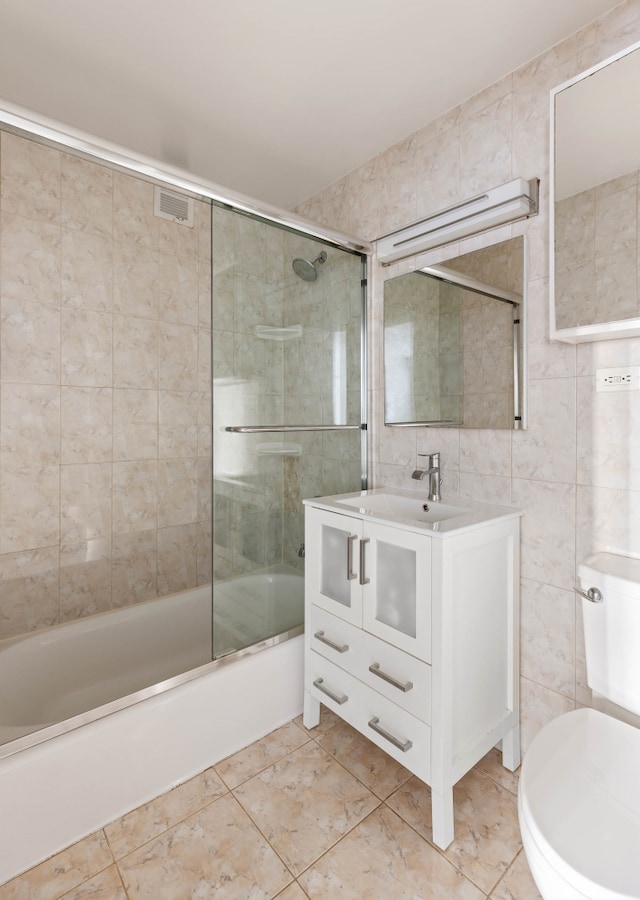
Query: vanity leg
{"points": [[311, 711], [442, 818], [511, 749]]}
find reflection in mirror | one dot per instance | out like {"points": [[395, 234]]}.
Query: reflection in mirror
{"points": [[454, 341], [595, 234]]}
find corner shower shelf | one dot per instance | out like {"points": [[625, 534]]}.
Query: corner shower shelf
{"points": [[275, 333], [279, 448]]}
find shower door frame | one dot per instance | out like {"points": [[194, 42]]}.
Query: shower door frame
{"points": [[29, 124]]}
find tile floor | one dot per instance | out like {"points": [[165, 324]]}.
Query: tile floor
{"points": [[299, 814]]}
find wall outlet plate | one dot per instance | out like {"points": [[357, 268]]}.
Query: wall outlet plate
{"points": [[622, 378]]}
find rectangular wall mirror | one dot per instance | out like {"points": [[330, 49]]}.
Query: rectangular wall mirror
{"points": [[595, 155], [454, 341]]}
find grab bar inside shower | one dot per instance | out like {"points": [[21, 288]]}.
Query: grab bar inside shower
{"points": [[254, 429]]}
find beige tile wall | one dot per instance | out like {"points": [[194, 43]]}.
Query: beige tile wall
{"points": [[574, 472], [104, 391]]}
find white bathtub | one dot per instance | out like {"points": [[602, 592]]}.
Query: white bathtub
{"points": [[111, 755]]}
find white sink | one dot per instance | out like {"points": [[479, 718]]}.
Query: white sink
{"points": [[397, 506]]}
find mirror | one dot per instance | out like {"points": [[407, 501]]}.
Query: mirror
{"points": [[454, 339], [594, 231]]}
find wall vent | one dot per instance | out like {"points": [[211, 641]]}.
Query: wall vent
{"points": [[172, 206]]}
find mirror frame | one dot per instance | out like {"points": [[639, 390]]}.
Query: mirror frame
{"points": [[621, 328]]}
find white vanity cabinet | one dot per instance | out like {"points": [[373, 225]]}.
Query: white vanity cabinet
{"points": [[411, 632]]}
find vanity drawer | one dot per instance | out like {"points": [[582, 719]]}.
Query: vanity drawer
{"points": [[401, 678], [392, 729]]}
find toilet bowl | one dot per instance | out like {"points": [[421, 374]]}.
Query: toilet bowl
{"points": [[579, 808], [579, 790]]}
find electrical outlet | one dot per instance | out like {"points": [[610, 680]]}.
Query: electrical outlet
{"points": [[623, 378]]}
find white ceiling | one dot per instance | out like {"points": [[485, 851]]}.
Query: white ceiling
{"points": [[272, 98]]}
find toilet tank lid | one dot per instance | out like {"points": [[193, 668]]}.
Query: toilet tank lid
{"points": [[610, 571]]}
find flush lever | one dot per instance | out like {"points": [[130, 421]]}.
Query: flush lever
{"points": [[593, 595]]}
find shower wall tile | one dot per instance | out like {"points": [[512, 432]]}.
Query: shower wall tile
{"points": [[87, 271], [86, 424], [29, 590], [134, 567], [177, 491], [135, 424], [177, 357], [133, 218], [86, 342], [178, 424], [136, 280], [135, 496], [135, 353], [30, 179], [85, 578], [29, 425], [177, 559], [30, 259], [177, 290], [85, 502], [179, 240], [87, 196], [23, 326], [30, 503]]}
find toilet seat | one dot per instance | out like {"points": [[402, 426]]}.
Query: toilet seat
{"points": [[579, 806]]}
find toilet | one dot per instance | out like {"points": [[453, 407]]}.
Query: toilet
{"points": [[579, 790]]}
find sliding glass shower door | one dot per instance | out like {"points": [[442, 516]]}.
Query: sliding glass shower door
{"points": [[287, 332]]}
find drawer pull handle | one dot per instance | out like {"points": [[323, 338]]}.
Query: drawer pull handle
{"points": [[406, 686], [350, 573], [341, 648], [337, 698], [401, 745]]}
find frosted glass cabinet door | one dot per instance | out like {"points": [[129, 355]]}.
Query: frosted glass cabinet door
{"points": [[396, 603], [332, 570]]}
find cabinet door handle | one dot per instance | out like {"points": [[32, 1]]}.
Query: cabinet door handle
{"points": [[363, 580], [350, 573], [401, 745], [337, 698], [341, 648], [406, 686]]}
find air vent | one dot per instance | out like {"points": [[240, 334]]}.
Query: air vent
{"points": [[175, 207]]}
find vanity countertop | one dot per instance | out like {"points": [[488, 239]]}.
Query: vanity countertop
{"points": [[412, 511]]}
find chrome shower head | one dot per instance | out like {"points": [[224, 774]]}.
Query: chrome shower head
{"points": [[306, 269]]}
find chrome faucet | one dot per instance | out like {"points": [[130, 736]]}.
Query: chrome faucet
{"points": [[433, 471]]}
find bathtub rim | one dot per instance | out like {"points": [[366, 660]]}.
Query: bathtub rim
{"points": [[42, 735]]}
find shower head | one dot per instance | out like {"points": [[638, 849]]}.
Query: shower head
{"points": [[306, 269]]}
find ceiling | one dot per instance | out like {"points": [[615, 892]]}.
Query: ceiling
{"points": [[275, 99]]}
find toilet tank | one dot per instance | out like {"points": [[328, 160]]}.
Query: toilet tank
{"points": [[612, 627]]}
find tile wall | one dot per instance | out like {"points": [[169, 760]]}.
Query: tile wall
{"points": [[105, 365], [574, 472]]}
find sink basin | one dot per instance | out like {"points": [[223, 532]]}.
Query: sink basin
{"points": [[396, 506]]}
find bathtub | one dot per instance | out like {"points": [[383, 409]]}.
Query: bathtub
{"points": [[182, 714]]}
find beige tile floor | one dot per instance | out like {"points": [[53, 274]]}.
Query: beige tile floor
{"points": [[319, 814]]}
